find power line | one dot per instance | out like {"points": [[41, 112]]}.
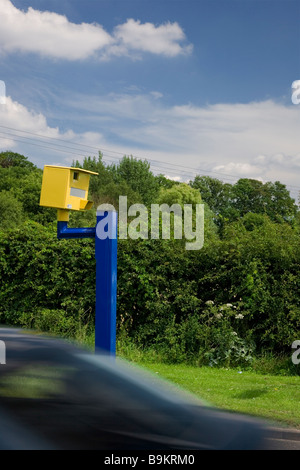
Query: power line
{"points": [[39, 145], [160, 166], [77, 149], [156, 163], [58, 139]]}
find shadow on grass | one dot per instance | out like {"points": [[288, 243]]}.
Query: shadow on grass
{"points": [[254, 393]]}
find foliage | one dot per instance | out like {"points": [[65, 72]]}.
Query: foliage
{"points": [[138, 176], [11, 159], [214, 192], [111, 182], [231, 202], [164, 182], [42, 276], [11, 210], [23, 181], [223, 305], [179, 194], [272, 199]]}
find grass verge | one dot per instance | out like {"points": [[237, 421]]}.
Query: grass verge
{"points": [[271, 397], [266, 392]]}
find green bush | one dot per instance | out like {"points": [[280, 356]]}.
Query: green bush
{"points": [[52, 321], [223, 305], [43, 277], [209, 338]]}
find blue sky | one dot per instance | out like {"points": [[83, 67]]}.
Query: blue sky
{"points": [[194, 86]]}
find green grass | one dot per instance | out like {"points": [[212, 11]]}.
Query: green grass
{"points": [[267, 391], [271, 397]]}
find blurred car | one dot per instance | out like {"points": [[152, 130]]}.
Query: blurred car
{"points": [[55, 395]]}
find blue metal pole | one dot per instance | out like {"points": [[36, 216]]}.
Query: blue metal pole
{"points": [[106, 282], [63, 231]]}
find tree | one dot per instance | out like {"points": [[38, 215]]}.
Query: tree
{"points": [[273, 199], [218, 197], [179, 194], [8, 159], [97, 182], [11, 211], [213, 191], [111, 192], [182, 194], [165, 182], [231, 202], [138, 176], [106, 187], [23, 180]]}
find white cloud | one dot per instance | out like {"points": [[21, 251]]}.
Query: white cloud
{"points": [[48, 34], [241, 170], [15, 115], [227, 141], [279, 159], [27, 132], [147, 37], [53, 35], [174, 178], [216, 133]]}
